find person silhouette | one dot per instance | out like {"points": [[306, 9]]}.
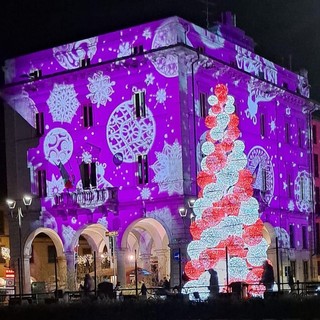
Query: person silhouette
{"points": [[213, 283], [267, 278]]}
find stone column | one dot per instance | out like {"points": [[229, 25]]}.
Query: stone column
{"points": [[71, 271], [121, 256], [26, 274], [62, 271], [163, 270]]}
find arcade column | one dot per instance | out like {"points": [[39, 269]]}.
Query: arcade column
{"points": [[71, 271]]}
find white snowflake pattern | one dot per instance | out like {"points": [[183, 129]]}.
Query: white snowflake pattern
{"points": [[168, 169], [145, 193], [288, 111], [54, 187], [149, 79], [285, 185], [63, 103], [147, 33], [161, 96], [302, 191], [86, 157], [101, 89], [124, 50], [273, 126]]}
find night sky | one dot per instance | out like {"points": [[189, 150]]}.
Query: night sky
{"points": [[285, 31]]}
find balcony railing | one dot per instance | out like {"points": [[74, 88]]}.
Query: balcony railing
{"points": [[89, 199]]}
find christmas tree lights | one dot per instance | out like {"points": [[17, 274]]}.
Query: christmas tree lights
{"points": [[227, 230]]}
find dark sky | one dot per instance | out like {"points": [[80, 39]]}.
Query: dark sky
{"points": [[285, 31]]}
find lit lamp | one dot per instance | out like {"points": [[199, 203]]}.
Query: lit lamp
{"points": [[27, 200]]}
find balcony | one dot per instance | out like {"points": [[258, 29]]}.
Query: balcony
{"points": [[106, 198]]}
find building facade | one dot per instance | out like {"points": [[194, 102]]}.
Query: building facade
{"points": [[106, 134]]}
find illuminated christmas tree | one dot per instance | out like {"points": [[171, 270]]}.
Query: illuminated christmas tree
{"points": [[227, 231]]}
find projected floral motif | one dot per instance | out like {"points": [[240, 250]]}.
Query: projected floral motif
{"points": [[168, 169], [63, 103], [227, 220], [100, 88], [129, 135], [58, 146], [70, 55], [302, 191]]}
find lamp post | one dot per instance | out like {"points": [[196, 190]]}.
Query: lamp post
{"points": [[27, 200], [136, 270]]}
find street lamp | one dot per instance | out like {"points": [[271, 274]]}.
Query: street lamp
{"points": [[27, 200]]}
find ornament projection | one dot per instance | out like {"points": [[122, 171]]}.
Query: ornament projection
{"points": [[227, 230]]}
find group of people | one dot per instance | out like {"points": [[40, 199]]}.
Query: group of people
{"points": [[106, 288]]}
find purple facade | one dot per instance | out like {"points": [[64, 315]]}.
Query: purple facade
{"points": [[120, 122]]}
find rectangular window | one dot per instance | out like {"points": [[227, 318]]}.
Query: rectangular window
{"points": [[293, 268], [42, 183], [51, 254], [304, 237], [317, 200], [262, 125], [85, 62], [143, 174], [263, 180], [302, 191], [137, 49], [314, 134], [140, 104], [2, 223], [39, 124], [318, 267], [317, 237], [316, 165], [203, 104], [300, 144], [305, 270], [291, 235], [87, 116], [287, 132], [88, 175]]}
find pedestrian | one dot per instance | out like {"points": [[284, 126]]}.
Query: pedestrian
{"points": [[291, 281], [143, 291], [166, 284], [267, 278], [213, 283], [88, 285]]}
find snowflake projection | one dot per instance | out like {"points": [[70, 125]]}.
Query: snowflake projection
{"points": [[24, 105], [103, 221], [86, 157], [69, 56], [166, 64], [168, 169], [129, 135], [163, 215], [102, 182], [291, 205], [124, 50], [147, 33], [273, 126], [302, 191], [161, 96], [54, 187], [285, 186], [145, 193], [58, 146], [48, 220], [260, 165], [101, 89], [68, 234], [283, 237], [288, 111], [149, 79], [63, 103]]}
